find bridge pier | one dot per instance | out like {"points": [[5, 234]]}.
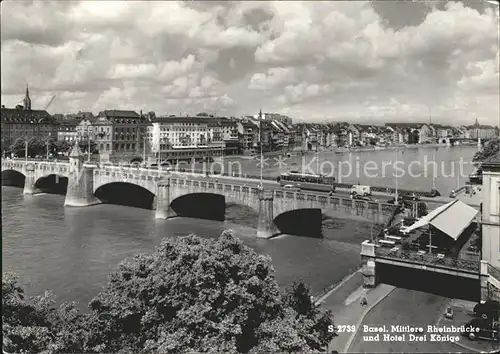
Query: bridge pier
{"points": [[30, 180], [162, 201], [266, 228], [80, 191], [368, 264]]}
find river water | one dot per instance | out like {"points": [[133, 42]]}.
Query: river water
{"points": [[416, 168], [70, 251]]}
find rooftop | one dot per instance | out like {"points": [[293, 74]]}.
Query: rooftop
{"points": [[115, 113], [13, 115]]}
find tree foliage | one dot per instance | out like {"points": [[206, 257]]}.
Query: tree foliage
{"points": [[190, 295], [34, 325], [84, 146], [490, 149], [38, 147]]}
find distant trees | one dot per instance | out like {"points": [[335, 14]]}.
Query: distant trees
{"points": [[190, 295], [38, 147], [35, 147], [62, 146], [84, 146]]}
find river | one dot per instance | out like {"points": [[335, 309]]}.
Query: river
{"points": [[70, 251], [414, 167]]}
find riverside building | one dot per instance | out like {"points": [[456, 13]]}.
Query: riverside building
{"points": [[176, 139]]}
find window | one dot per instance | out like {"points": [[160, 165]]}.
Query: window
{"points": [[107, 147]]}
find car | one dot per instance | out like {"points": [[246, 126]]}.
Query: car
{"points": [[362, 197], [291, 186], [485, 330], [488, 310]]}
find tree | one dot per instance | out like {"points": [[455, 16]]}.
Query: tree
{"points": [[62, 146], [35, 147], [18, 147], [84, 146], [190, 295], [197, 295], [490, 149], [34, 325]]}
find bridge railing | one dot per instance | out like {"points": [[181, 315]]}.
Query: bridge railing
{"points": [[494, 272], [428, 259]]}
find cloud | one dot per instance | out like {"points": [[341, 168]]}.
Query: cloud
{"points": [[339, 60], [273, 78]]}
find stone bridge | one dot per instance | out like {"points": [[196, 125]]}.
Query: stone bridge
{"points": [[35, 170], [84, 179]]}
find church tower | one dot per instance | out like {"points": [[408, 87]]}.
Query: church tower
{"points": [[27, 100]]}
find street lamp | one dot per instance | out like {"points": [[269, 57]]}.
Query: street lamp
{"points": [[317, 158], [144, 149], [261, 155], [48, 137], [433, 169], [396, 175], [88, 142], [26, 148]]}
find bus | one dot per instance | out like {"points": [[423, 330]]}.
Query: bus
{"points": [[307, 181]]}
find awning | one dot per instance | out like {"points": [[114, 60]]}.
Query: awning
{"points": [[452, 218]]}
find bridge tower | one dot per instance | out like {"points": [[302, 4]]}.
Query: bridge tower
{"points": [[80, 190]]}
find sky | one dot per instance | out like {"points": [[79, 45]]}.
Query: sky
{"points": [[354, 61]]}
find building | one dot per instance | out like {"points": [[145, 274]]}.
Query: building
{"points": [[22, 122], [491, 224], [367, 134], [67, 130], [119, 134], [410, 132], [185, 138], [274, 117], [229, 131], [428, 133], [491, 211], [85, 128], [478, 131], [248, 132]]}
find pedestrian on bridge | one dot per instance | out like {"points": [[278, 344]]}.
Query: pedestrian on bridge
{"points": [[364, 300]]}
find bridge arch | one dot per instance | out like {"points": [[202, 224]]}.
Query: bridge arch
{"points": [[300, 222], [126, 177], [205, 205], [52, 183], [13, 178], [126, 194]]}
